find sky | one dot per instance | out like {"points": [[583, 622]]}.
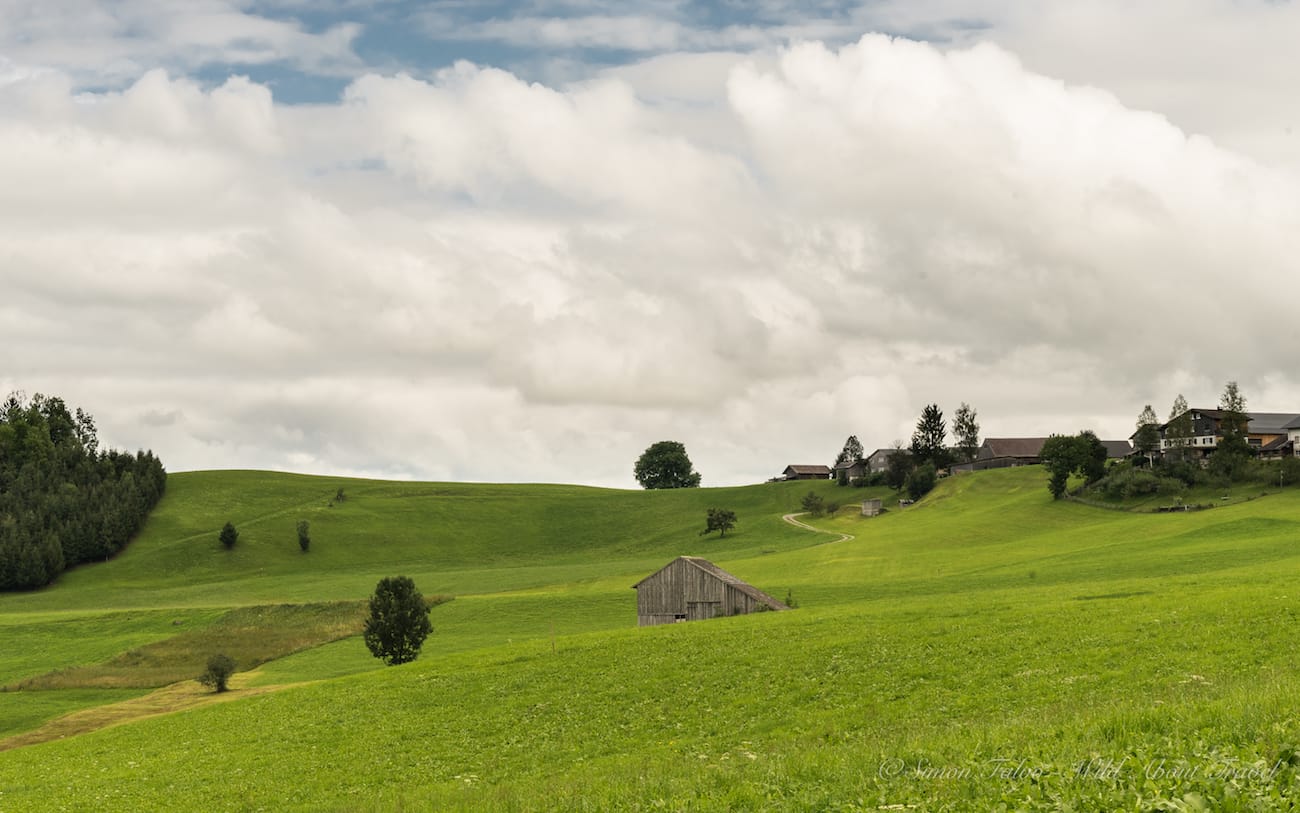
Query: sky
{"points": [[521, 242]]}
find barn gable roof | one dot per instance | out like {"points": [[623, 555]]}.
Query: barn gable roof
{"points": [[796, 468], [722, 575], [1014, 447]]}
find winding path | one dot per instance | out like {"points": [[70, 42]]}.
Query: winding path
{"points": [[790, 518]]}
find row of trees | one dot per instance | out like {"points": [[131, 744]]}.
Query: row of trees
{"points": [[915, 467], [930, 440], [63, 500]]}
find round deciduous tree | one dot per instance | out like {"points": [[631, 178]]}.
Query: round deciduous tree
{"points": [[220, 668], [398, 622], [665, 465]]}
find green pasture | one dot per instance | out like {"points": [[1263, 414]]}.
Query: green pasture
{"points": [[986, 647]]}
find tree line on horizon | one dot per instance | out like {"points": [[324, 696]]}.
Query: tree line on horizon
{"points": [[63, 500]]}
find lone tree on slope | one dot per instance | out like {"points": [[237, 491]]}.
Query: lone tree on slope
{"points": [[398, 622], [720, 520], [220, 668], [229, 536], [665, 465]]}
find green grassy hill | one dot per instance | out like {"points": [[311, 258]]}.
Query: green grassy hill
{"points": [[984, 647]]}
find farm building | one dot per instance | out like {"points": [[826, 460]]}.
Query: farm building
{"points": [[800, 472], [692, 589]]}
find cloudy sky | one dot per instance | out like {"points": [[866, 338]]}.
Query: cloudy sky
{"points": [[522, 241]]}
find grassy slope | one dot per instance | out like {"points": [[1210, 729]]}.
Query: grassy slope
{"points": [[501, 548], [984, 624]]}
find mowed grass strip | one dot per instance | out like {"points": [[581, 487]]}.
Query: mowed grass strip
{"points": [[250, 635], [169, 699]]}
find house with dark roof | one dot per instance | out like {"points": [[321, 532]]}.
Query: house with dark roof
{"points": [[1270, 434], [878, 460], [851, 470], [693, 589], [799, 472]]}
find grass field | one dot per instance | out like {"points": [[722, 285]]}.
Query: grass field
{"points": [[985, 647]]}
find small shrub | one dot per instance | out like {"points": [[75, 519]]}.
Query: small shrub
{"points": [[304, 535], [860, 482], [832, 508], [1289, 471], [1188, 471], [220, 668], [229, 536], [921, 481], [340, 496], [813, 504], [790, 601]]}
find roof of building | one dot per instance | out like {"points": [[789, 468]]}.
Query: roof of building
{"points": [[1262, 423], [1033, 447], [818, 469], [1271, 422], [1276, 444], [1117, 448], [722, 575], [1014, 447], [883, 452]]}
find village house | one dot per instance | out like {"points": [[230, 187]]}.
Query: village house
{"points": [[693, 589], [1270, 434], [851, 470], [878, 460]]}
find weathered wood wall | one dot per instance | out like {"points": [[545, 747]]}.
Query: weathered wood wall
{"points": [[683, 592]]}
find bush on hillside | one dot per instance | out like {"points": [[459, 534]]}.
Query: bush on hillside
{"points": [[1126, 482], [1289, 469], [921, 481], [1188, 471], [813, 504], [304, 535], [720, 520], [228, 536], [220, 668]]}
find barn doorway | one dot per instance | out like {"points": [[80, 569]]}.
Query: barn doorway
{"points": [[702, 610]]}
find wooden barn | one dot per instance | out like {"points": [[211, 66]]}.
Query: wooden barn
{"points": [[798, 472], [692, 589]]}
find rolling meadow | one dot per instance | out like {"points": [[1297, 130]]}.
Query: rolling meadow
{"points": [[986, 648]]}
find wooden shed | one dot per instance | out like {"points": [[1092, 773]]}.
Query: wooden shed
{"points": [[796, 471], [692, 589]]}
